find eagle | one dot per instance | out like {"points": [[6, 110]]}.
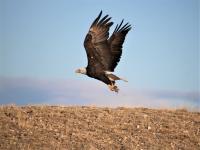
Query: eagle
{"points": [[104, 52]]}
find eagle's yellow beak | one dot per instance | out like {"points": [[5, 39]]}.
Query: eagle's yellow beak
{"points": [[77, 71]]}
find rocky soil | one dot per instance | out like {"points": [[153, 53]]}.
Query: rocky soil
{"points": [[91, 128]]}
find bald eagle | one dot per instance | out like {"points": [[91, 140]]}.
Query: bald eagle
{"points": [[104, 52]]}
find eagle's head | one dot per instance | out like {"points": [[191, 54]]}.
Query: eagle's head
{"points": [[81, 70]]}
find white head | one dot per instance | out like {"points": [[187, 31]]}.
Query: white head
{"points": [[81, 70]]}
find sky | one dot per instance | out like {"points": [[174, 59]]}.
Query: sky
{"points": [[41, 45]]}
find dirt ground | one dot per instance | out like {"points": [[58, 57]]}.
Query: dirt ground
{"points": [[91, 128]]}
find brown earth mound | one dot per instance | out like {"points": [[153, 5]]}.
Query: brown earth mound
{"points": [[91, 128]]}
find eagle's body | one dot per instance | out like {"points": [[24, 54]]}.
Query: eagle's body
{"points": [[104, 53]]}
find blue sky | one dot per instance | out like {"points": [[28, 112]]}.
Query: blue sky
{"points": [[43, 40]]}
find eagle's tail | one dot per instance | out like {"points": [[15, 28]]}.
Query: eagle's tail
{"points": [[124, 80], [113, 77]]}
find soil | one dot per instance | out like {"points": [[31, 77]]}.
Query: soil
{"points": [[92, 128]]}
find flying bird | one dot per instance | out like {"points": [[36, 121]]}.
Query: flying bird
{"points": [[104, 52]]}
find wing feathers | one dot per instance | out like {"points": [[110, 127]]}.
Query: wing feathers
{"points": [[102, 21], [98, 44], [120, 25], [97, 19], [125, 27], [106, 52], [116, 41]]}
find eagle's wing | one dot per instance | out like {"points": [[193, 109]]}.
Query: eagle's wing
{"points": [[116, 41], [96, 43]]}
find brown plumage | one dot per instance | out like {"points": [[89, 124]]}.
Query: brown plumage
{"points": [[104, 53]]}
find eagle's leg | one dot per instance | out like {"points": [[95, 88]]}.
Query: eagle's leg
{"points": [[110, 87], [116, 88], [113, 87]]}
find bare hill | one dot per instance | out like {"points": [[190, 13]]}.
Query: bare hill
{"points": [[90, 128]]}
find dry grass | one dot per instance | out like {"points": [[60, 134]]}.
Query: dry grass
{"points": [[90, 128]]}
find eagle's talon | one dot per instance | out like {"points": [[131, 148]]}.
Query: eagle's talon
{"points": [[116, 89], [113, 87]]}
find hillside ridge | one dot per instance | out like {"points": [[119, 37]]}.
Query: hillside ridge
{"points": [[85, 127]]}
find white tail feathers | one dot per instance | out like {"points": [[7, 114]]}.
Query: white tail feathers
{"points": [[113, 77], [124, 80]]}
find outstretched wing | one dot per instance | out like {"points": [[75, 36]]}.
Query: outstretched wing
{"points": [[116, 41], [96, 43]]}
